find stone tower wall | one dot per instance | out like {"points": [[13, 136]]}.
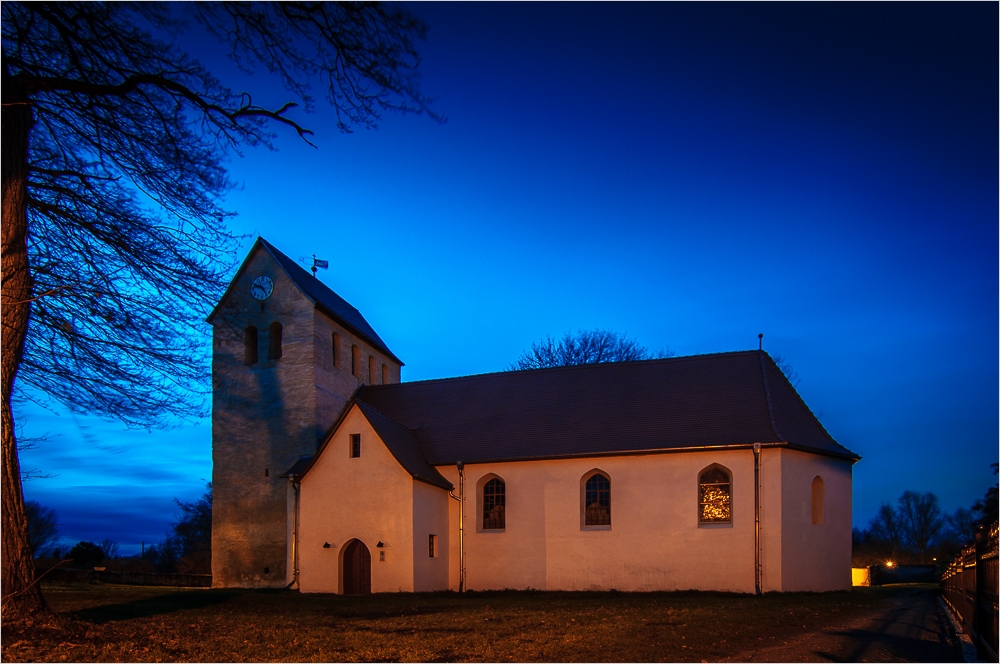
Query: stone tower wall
{"points": [[335, 384], [263, 419]]}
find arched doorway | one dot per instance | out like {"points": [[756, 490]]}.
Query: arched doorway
{"points": [[357, 569]]}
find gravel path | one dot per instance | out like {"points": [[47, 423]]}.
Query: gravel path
{"points": [[914, 628]]}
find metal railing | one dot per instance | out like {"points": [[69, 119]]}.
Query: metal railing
{"points": [[969, 585]]}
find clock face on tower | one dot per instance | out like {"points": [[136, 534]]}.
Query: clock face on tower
{"points": [[261, 288]]}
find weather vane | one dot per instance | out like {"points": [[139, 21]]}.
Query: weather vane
{"points": [[317, 264]]}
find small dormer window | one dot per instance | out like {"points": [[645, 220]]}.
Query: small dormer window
{"points": [[274, 341]]}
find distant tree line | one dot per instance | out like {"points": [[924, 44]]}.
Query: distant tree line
{"points": [[186, 548], [915, 531]]}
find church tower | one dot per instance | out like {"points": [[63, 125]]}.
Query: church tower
{"points": [[287, 355]]}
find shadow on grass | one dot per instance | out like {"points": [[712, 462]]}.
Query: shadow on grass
{"points": [[168, 602], [913, 631]]}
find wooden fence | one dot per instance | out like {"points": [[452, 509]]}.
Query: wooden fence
{"points": [[969, 585], [62, 575]]}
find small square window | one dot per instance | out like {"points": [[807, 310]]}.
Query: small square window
{"points": [[433, 543], [355, 445]]}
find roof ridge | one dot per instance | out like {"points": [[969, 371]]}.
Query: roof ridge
{"points": [[802, 402], [295, 265], [767, 393], [592, 365], [361, 402]]}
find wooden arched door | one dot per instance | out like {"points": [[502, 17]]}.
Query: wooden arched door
{"points": [[357, 569]]}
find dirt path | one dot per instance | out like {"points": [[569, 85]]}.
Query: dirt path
{"points": [[914, 628]]}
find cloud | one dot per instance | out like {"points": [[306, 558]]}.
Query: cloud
{"points": [[106, 481]]}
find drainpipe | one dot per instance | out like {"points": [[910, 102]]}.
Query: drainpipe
{"points": [[295, 535], [461, 525], [756, 518]]}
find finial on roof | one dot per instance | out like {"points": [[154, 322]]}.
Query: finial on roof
{"points": [[760, 341]]}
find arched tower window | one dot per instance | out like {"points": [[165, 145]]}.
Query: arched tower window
{"points": [[274, 341], [355, 361], [250, 345], [597, 500], [371, 369], [385, 375], [818, 500], [336, 350], [715, 496], [495, 505]]}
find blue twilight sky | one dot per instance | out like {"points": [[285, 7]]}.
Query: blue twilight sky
{"points": [[690, 175]]}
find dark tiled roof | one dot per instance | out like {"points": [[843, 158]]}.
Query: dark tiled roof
{"points": [[403, 445], [324, 298], [601, 409], [298, 467]]}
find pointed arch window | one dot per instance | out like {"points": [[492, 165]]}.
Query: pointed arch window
{"points": [[371, 369], [597, 500], [715, 496], [495, 505], [274, 341], [355, 361], [250, 345], [336, 350], [385, 375], [818, 500]]}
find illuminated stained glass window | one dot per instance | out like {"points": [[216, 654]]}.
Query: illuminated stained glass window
{"points": [[598, 501], [494, 505], [714, 497]]}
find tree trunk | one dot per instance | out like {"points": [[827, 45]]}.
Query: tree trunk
{"points": [[21, 595]]}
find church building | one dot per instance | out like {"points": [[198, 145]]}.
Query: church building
{"points": [[331, 475]]}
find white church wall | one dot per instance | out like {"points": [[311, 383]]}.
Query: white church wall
{"points": [[430, 517], [770, 517], [368, 498], [654, 542], [815, 556]]}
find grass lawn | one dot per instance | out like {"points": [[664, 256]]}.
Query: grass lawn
{"points": [[127, 623]]}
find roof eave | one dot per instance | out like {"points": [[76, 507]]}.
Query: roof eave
{"points": [[850, 456], [340, 321]]}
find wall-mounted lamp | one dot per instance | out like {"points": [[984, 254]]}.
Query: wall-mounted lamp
{"points": [[379, 545], [326, 545]]}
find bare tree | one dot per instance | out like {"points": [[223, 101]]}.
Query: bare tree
{"points": [[919, 515], [886, 533], [787, 369], [114, 237], [43, 527], [986, 507], [961, 527], [585, 347], [908, 533], [109, 548]]}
